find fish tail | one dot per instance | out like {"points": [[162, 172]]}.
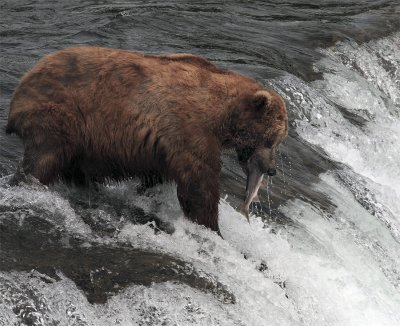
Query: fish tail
{"points": [[245, 211]]}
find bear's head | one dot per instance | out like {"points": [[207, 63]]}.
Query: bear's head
{"points": [[259, 125]]}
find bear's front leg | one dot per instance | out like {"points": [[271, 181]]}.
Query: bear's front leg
{"points": [[198, 195]]}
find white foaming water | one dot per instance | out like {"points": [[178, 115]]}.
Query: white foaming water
{"points": [[365, 81], [36, 298], [317, 274], [367, 78], [39, 196], [360, 243], [328, 268]]}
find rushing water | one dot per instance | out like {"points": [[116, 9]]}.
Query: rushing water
{"points": [[324, 246]]}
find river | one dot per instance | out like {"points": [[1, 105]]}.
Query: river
{"points": [[323, 248]]}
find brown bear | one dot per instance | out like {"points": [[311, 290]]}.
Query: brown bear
{"points": [[93, 113]]}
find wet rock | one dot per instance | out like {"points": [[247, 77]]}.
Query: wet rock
{"points": [[30, 241]]}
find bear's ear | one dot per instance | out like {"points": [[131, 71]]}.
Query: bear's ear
{"points": [[260, 102]]}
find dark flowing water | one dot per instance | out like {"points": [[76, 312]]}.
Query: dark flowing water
{"points": [[324, 246]]}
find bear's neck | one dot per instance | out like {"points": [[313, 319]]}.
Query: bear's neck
{"points": [[224, 126]]}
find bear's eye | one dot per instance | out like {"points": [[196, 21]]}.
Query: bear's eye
{"points": [[244, 134], [269, 143]]}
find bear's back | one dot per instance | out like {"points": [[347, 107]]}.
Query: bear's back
{"points": [[96, 71], [98, 86]]}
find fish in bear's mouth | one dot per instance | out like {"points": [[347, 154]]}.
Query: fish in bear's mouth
{"points": [[255, 174]]}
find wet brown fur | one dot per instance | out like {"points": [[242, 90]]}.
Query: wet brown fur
{"points": [[90, 113]]}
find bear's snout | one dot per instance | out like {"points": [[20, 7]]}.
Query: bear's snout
{"points": [[264, 158]]}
